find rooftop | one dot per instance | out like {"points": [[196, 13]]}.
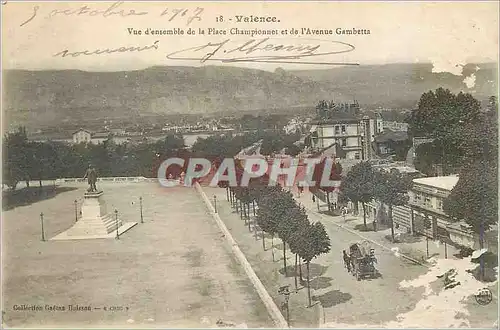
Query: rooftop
{"points": [[389, 135], [441, 182]]}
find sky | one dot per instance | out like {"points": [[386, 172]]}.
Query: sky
{"points": [[447, 34]]}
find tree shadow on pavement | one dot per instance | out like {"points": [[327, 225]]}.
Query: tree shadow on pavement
{"points": [[320, 283], [405, 238], [361, 227], [315, 270], [31, 195], [332, 298]]}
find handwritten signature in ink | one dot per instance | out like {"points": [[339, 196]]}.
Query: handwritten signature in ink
{"points": [[266, 50]]}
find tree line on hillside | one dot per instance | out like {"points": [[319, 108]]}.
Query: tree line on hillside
{"points": [[25, 160]]}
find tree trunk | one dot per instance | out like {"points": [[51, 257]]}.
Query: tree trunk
{"points": [[392, 223], [328, 201], [284, 256], [481, 246], [248, 219], [272, 245], [227, 193], [263, 241], [253, 207], [364, 214], [308, 286], [241, 209], [295, 272], [300, 270]]}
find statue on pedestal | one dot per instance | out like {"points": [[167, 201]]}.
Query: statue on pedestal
{"points": [[91, 176]]}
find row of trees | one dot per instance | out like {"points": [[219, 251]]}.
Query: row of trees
{"points": [[363, 184], [278, 214], [26, 160]]}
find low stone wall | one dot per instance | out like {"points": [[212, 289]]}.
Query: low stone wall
{"points": [[108, 179], [268, 301]]}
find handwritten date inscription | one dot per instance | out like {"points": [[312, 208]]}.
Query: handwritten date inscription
{"points": [[117, 9]]}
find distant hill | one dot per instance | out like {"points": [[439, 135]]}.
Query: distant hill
{"points": [[401, 85], [38, 98]]}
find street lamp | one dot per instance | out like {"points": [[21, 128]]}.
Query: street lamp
{"points": [[76, 210], [116, 221], [41, 220], [215, 203], [140, 203], [481, 246], [284, 290]]}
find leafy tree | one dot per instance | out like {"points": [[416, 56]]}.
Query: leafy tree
{"points": [[359, 185], [475, 196], [311, 242], [444, 116], [16, 154], [293, 219], [392, 189], [47, 161], [267, 218], [293, 150], [169, 145], [440, 114]]}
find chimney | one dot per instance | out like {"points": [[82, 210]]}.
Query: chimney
{"points": [[367, 141]]}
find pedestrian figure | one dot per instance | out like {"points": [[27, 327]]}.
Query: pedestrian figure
{"points": [[374, 225], [347, 261], [314, 199], [344, 213]]}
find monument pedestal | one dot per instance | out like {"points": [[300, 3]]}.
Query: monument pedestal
{"points": [[95, 219], [95, 222]]}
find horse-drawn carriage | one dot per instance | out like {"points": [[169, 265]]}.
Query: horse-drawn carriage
{"points": [[362, 260]]}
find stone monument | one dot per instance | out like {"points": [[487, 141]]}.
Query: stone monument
{"points": [[95, 221]]}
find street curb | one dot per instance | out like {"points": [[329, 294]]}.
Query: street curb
{"points": [[268, 301], [370, 240]]}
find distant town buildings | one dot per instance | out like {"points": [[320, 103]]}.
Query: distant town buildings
{"points": [[395, 126], [85, 136], [346, 135], [342, 134], [389, 140]]}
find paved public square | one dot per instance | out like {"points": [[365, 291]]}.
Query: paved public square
{"points": [[173, 270]]}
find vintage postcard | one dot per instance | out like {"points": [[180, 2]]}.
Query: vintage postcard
{"points": [[249, 164]]}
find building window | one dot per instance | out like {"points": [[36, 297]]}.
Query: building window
{"points": [[357, 155], [343, 129], [344, 142], [337, 130], [439, 204], [427, 202], [418, 199]]}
